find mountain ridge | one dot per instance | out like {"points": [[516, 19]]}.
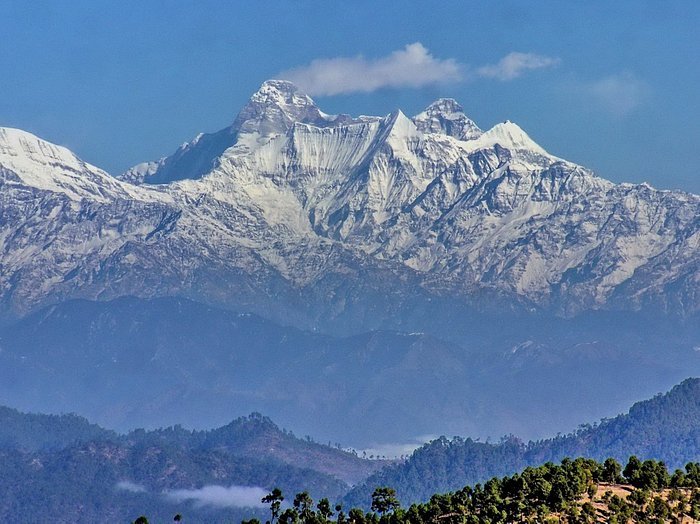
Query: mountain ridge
{"points": [[102, 476], [204, 364], [289, 201]]}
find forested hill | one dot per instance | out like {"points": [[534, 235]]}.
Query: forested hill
{"points": [[38, 432], [53, 464], [666, 427], [62, 465], [257, 436], [578, 491]]}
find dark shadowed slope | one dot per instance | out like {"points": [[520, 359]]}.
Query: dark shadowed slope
{"points": [[148, 363], [38, 432]]}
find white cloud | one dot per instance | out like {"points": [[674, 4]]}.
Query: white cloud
{"points": [[393, 450], [220, 496], [620, 94], [514, 65], [132, 487], [412, 66]]}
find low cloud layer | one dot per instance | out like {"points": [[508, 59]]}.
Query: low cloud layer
{"points": [[412, 66], [220, 496], [619, 94], [392, 450], [131, 487], [516, 64]]}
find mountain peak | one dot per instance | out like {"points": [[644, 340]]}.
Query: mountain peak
{"points": [[275, 107], [15, 142], [281, 93], [32, 157], [42, 164], [444, 106], [280, 85], [446, 116], [510, 136], [400, 124]]}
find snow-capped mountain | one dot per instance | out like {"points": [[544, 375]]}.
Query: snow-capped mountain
{"points": [[445, 116], [305, 216]]}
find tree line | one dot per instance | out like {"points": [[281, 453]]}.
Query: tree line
{"points": [[576, 491]]}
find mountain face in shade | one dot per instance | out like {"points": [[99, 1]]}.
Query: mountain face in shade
{"points": [[132, 362], [345, 223]]}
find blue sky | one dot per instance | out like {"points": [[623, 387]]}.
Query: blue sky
{"points": [[611, 85]]}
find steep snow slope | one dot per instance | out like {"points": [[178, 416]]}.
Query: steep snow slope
{"points": [[310, 217], [45, 166]]}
